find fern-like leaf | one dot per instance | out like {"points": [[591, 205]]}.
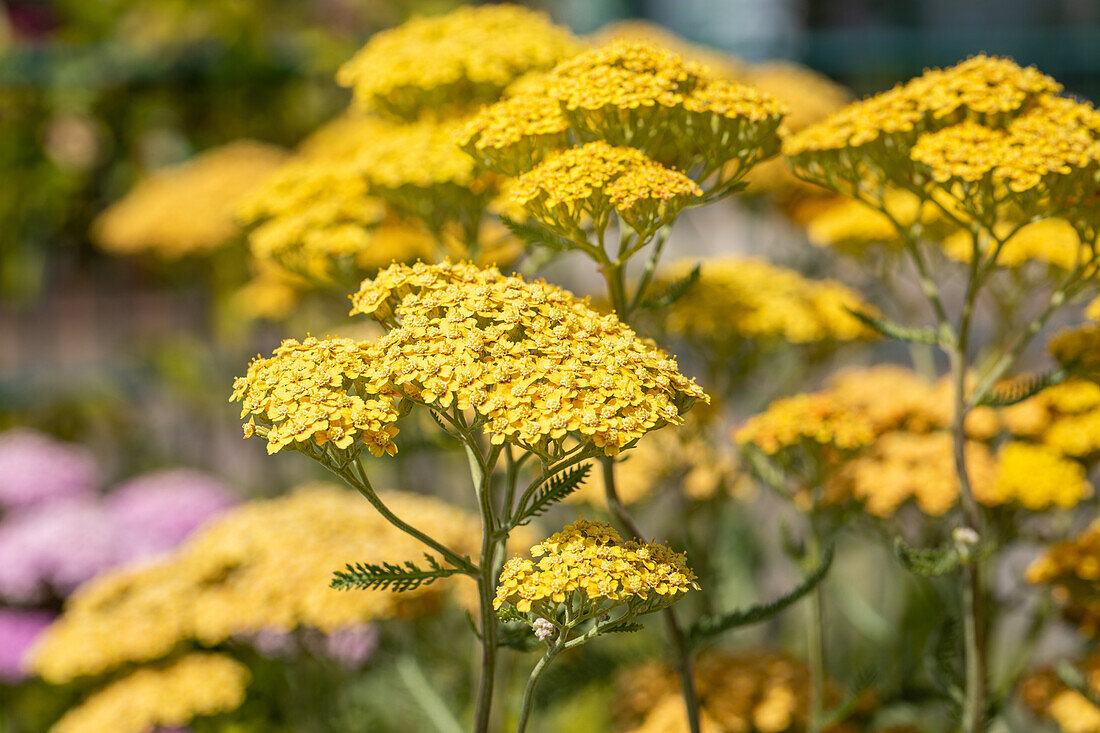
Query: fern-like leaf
{"points": [[928, 563], [627, 628], [388, 576], [537, 235], [556, 489], [673, 291], [893, 330], [1022, 388], [713, 625]]}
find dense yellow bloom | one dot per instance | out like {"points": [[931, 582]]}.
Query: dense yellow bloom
{"points": [[318, 391], [1065, 417], [515, 134], [454, 61], [188, 209], [534, 362], [272, 293], [1050, 241], [738, 298], [1072, 569], [589, 182], [747, 692], [591, 558], [263, 565], [166, 697], [1039, 477], [902, 465], [981, 85], [633, 93], [807, 419]]}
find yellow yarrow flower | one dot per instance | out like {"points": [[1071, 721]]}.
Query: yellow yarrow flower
{"points": [[282, 551], [318, 391], [171, 696], [590, 182], [633, 93], [187, 209], [1038, 477], [815, 420], [1078, 349], [534, 363], [1072, 569], [746, 298], [1050, 241], [453, 62], [515, 134], [588, 563]]}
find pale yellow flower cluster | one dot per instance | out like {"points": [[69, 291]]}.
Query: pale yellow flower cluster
{"points": [[747, 692], [988, 87], [460, 60], [994, 137], [589, 182], [1038, 477], [1049, 698], [744, 298], [633, 93], [170, 696], [515, 134], [265, 565], [318, 216], [533, 361], [814, 421], [724, 65], [592, 559], [188, 209], [1051, 241], [683, 458], [319, 391], [1065, 417], [902, 450], [1072, 569]]}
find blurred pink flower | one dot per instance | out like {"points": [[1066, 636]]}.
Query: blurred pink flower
{"points": [[168, 505], [18, 629], [35, 468]]}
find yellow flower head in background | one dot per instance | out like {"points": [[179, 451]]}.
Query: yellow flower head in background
{"points": [[1051, 241], [743, 298], [590, 182], [747, 692], [170, 696], [515, 134], [456, 61], [808, 420], [1072, 569], [1039, 477], [188, 209], [533, 362], [592, 559], [318, 391], [265, 565], [633, 93]]}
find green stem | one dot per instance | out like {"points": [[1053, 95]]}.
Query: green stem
{"points": [[481, 473], [532, 682], [816, 649], [680, 645]]}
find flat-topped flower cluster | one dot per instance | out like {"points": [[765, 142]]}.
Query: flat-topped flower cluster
{"points": [[533, 362], [591, 558]]}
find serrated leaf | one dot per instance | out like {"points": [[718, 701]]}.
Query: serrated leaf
{"points": [[673, 291], [388, 576], [890, 329], [1022, 388], [929, 563], [713, 625], [627, 628], [537, 235], [556, 489]]}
